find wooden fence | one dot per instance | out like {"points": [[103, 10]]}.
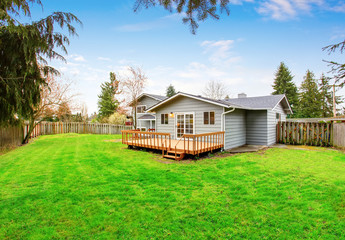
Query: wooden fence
{"points": [[339, 135], [13, 136], [305, 133], [48, 128]]}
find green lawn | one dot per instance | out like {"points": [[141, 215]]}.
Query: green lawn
{"points": [[80, 186]]}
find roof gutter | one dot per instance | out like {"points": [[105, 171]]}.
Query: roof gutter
{"points": [[223, 118]]}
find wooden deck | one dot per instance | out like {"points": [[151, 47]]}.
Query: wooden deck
{"points": [[192, 144]]}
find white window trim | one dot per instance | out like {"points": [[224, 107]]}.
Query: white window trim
{"points": [[175, 121]]}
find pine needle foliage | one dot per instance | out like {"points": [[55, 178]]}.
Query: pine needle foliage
{"points": [[194, 10], [107, 103], [170, 91], [24, 51], [338, 69], [283, 84], [310, 98]]}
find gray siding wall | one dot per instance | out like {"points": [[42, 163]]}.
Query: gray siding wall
{"points": [[256, 127], [185, 104], [271, 127], [149, 102], [279, 109], [235, 129], [272, 123]]}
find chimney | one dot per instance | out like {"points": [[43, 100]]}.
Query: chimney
{"points": [[242, 95]]}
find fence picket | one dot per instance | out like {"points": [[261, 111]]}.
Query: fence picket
{"points": [[314, 134]]}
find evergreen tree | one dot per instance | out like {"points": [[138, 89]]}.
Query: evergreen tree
{"points": [[326, 96], [283, 84], [170, 91], [107, 103], [24, 51], [310, 98]]}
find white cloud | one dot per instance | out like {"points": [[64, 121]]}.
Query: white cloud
{"points": [[290, 9], [104, 59], [219, 52], [240, 2], [338, 8], [277, 9], [76, 58]]}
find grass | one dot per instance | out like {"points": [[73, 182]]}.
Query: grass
{"points": [[81, 186]]}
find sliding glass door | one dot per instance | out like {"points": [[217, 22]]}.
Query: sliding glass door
{"points": [[184, 124]]}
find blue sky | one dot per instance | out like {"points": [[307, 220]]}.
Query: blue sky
{"points": [[242, 50]]}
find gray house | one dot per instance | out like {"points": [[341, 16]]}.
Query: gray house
{"points": [[245, 120], [146, 120]]}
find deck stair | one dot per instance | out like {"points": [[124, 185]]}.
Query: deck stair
{"points": [[176, 155]]}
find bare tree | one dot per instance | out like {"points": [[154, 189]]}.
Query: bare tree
{"points": [[83, 112], [134, 85], [215, 90], [53, 95]]}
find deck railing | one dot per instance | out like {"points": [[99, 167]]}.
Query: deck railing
{"points": [[189, 143], [146, 139], [205, 142]]}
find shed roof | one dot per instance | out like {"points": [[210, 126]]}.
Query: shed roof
{"points": [[147, 117]]}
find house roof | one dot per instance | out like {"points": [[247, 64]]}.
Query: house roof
{"points": [[268, 102], [249, 103], [147, 117], [154, 96]]}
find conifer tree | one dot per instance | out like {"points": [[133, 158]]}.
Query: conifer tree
{"points": [[326, 94], [24, 51], [170, 91], [107, 103], [310, 98], [283, 84]]}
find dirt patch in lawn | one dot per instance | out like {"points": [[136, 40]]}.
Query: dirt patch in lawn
{"points": [[113, 140]]}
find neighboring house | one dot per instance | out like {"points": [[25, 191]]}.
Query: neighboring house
{"points": [[245, 120], [146, 120]]}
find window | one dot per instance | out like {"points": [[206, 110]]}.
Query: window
{"points": [[278, 117], [141, 109], [206, 117], [164, 118], [209, 118]]}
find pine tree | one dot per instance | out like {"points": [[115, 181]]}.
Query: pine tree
{"points": [[310, 98], [24, 51], [326, 96], [283, 84], [170, 91], [107, 103]]}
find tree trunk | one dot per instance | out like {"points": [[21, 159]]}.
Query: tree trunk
{"points": [[32, 126], [135, 117]]}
